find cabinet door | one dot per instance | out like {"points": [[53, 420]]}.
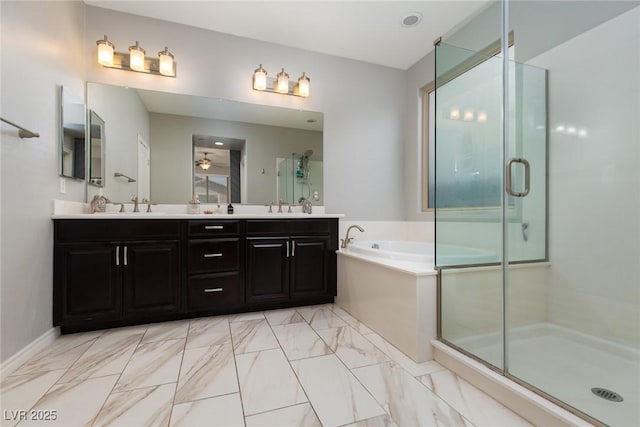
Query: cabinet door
{"points": [[309, 265], [151, 276], [267, 269], [87, 284]]}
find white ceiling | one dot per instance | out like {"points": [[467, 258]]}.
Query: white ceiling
{"points": [[369, 31]]}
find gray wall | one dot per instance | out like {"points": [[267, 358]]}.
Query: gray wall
{"points": [[42, 47], [171, 154], [364, 104]]}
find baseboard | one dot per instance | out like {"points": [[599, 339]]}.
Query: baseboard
{"points": [[34, 347]]}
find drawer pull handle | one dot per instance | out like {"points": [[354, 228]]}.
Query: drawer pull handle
{"points": [[208, 290], [212, 255], [213, 227], [117, 255]]}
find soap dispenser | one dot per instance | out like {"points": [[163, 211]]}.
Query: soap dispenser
{"points": [[230, 209]]}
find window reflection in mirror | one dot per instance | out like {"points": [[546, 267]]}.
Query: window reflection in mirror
{"points": [[72, 137], [96, 150]]}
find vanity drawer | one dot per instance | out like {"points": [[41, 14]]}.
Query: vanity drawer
{"points": [[208, 256], [294, 226], [213, 290], [206, 228]]}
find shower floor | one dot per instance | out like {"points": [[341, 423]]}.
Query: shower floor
{"points": [[567, 364]]}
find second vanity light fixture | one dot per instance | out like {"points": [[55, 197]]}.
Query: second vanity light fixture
{"points": [[280, 84], [136, 60]]}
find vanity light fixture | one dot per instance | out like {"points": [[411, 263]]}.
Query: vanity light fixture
{"points": [[281, 83], [135, 60]]}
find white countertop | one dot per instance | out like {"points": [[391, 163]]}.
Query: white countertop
{"points": [[77, 210], [163, 215]]}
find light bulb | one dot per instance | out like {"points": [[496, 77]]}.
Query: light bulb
{"points": [[136, 57], [482, 116], [166, 63], [454, 114], [260, 78], [105, 52]]}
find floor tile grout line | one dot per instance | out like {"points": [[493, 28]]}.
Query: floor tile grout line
{"points": [[295, 374], [366, 389], [175, 391], [95, 417], [235, 365]]}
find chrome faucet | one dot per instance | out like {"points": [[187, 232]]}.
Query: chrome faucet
{"points": [[345, 242], [134, 199], [149, 203], [280, 203], [307, 207]]}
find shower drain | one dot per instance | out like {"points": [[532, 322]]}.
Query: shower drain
{"points": [[607, 394]]}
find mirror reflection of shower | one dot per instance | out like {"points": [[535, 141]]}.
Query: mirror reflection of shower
{"points": [[300, 178]]}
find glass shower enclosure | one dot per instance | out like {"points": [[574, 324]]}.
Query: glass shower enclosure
{"points": [[537, 207]]}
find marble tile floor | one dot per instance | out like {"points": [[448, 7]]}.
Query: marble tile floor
{"points": [[305, 366]]}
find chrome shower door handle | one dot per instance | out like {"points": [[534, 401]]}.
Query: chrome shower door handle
{"points": [[527, 177]]}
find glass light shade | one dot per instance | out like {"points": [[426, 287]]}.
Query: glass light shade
{"points": [[282, 82], [482, 116], [105, 52], [454, 114], [205, 166], [136, 57], [166, 63], [260, 78], [303, 85]]}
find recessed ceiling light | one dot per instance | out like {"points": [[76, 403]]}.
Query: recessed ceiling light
{"points": [[219, 143], [411, 19]]}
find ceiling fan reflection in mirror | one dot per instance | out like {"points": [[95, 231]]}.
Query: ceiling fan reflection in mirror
{"points": [[204, 163]]}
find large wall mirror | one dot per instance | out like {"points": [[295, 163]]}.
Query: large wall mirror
{"points": [[174, 146], [72, 136]]}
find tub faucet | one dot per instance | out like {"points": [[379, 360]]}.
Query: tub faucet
{"points": [[345, 242]]}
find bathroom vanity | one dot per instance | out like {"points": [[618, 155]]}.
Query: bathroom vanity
{"points": [[121, 271]]}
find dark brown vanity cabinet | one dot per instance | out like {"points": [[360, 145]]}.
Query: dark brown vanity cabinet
{"points": [[292, 261], [115, 271]]}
